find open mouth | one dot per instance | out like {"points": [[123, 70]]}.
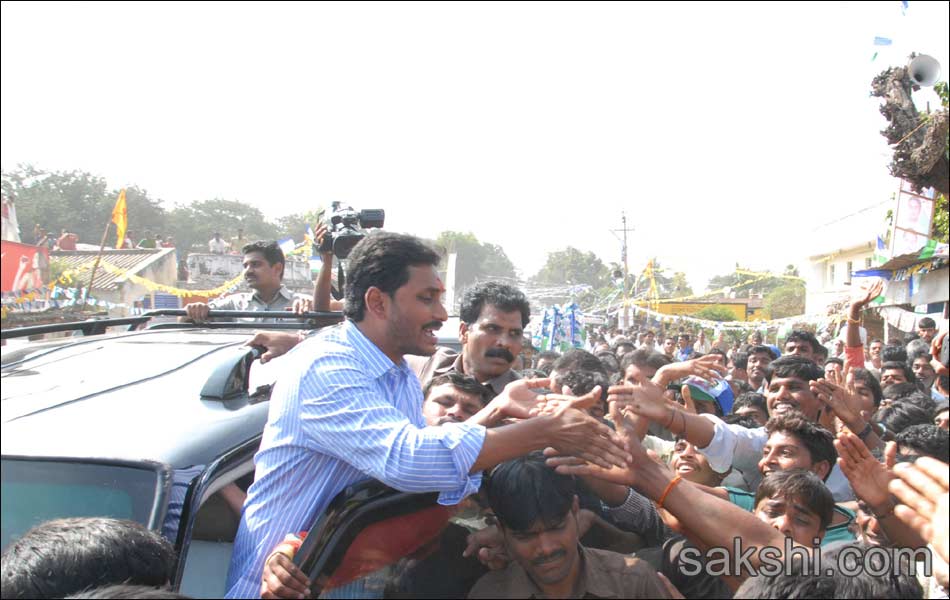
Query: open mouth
{"points": [[782, 407], [430, 335], [685, 468]]}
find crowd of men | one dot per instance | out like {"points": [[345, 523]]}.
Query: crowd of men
{"points": [[637, 468]]}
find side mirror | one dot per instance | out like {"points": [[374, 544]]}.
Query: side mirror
{"points": [[230, 379]]}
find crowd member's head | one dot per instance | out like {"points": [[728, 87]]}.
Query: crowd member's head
{"points": [[610, 362], [942, 416], [536, 509], [866, 387], [897, 391], [789, 389], [821, 355], [692, 465], [896, 372], [753, 405], [926, 329], [544, 361], [899, 416], [738, 370], [394, 292], [123, 590], [492, 320], [893, 353], [875, 347], [797, 503], [742, 420], [527, 353], [759, 359], [803, 343], [721, 356], [683, 341], [453, 398], [924, 440], [907, 393], [669, 345], [67, 556], [642, 363], [923, 371], [576, 359], [649, 338], [622, 347], [739, 387], [834, 367], [797, 443], [581, 382], [263, 266]]}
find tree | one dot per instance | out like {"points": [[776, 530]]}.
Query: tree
{"points": [[787, 300], [295, 225], [679, 287], [474, 260], [716, 312], [573, 267], [920, 142], [195, 223]]}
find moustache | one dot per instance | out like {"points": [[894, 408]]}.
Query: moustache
{"points": [[541, 560], [500, 353], [434, 325]]}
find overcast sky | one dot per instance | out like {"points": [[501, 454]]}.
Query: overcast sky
{"points": [[726, 131]]}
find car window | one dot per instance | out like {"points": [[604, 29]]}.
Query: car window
{"points": [[37, 491], [416, 552]]}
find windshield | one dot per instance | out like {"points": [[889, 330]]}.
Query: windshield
{"points": [[37, 491]]}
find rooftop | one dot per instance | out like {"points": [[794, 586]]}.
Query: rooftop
{"points": [[132, 261]]}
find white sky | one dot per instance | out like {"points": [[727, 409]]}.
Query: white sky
{"points": [[727, 131]]}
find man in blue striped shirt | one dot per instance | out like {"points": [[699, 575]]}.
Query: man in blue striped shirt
{"points": [[350, 408]]}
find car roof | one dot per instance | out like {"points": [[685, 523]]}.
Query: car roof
{"points": [[133, 396]]}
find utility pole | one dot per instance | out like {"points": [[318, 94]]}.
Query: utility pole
{"points": [[626, 269]]}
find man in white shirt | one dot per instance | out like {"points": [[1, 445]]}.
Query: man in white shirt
{"points": [[217, 244]]}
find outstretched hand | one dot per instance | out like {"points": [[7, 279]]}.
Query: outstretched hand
{"points": [[706, 367], [867, 476], [922, 489], [863, 296]]}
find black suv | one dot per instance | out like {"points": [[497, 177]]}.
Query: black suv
{"points": [[160, 425]]}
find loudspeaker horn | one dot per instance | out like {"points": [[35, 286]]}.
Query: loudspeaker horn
{"points": [[924, 70]]}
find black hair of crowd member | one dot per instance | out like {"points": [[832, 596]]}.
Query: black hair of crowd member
{"points": [[899, 416], [609, 361], [802, 485], [525, 491], [819, 442], [644, 357], [66, 556], [867, 378], [271, 251], [894, 353], [464, 383], [926, 440], [576, 359], [834, 360], [382, 260], [800, 335], [793, 365], [740, 360], [760, 349], [752, 400], [741, 420], [115, 592], [581, 382], [504, 297], [897, 391]]}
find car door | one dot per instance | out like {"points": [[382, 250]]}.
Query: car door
{"points": [[376, 542]]}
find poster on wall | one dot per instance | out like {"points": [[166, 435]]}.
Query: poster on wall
{"points": [[913, 219], [24, 267]]}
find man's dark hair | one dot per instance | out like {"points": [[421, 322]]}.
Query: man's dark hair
{"points": [[504, 297], [741, 420], [464, 383], [546, 355], [740, 360], [793, 365], [525, 490], [834, 360], [762, 348], [899, 416], [802, 485], [740, 387], [644, 357], [629, 347], [896, 391], [725, 357], [751, 399], [819, 442], [382, 260], [683, 336], [942, 382], [800, 335], [876, 341], [582, 381], [271, 251], [67, 556], [576, 359], [900, 366], [926, 323], [123, 590], [867, 378], [917, 398], [609, 361], [926, 440], [533, 374], [893, 353]]}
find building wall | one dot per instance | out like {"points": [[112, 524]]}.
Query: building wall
{"points": [[828, 276]]}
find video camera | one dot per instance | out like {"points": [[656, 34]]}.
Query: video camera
{"points": [[345, 228]]}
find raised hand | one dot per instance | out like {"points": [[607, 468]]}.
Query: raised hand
{"points": [[488, 545], [275, 343], [922, 489], [645, 399], [706, 367], [302, 305], [863, 296], [578, 434], [868, 477]]}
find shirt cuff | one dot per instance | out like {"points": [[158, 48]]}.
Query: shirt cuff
{"points": [[464, 441], [719, 451]]}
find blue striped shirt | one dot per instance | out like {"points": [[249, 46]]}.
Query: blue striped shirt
{"points": [[342, 413]]}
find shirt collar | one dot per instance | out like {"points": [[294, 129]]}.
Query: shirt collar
{"points": [[590, 583], [377, 363], [281, 291], [496, 384]]}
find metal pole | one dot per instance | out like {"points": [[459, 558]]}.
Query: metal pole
{"points": [[95, 266], [626, 298]]}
